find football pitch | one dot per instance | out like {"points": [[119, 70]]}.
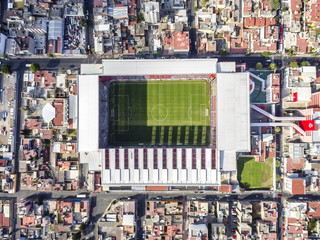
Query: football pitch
{"points": [[159, 113]]}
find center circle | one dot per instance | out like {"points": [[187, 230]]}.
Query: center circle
{"points": [[159, 112]]}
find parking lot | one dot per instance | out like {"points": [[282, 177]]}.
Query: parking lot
{"points": [[74, 36]]}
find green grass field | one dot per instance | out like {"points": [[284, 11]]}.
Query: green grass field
{"points": [[252, 174], [159, 113]]}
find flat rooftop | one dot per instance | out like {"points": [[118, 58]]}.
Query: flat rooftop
{"points": [[158, 66]]}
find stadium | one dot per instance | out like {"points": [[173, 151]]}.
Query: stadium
{"points": [[177, 122]]}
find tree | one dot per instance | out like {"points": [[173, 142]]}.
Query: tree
{"points": [[277, 177], [223, 53], [266, 54], [305, 63], [289, 52], [278, 163], [83, 227], [35, 67], [76, 236], [6, 69], [50, 55], [275, 4], [294, 64], [38, 200], [273, 66], [258, 65], [61, 68], [284, 9], [83, 22], [277, 129]]}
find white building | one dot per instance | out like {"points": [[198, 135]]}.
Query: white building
{"points": [[151, 12]]}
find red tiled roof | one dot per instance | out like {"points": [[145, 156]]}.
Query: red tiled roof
{"points": [[59, 106], [32, 124], [295, 164], [156, 188], [225, 188], [302, 44], [181, 41], [313, 209], [2, 162], [298, 186], [315, 12], [315, 100]]}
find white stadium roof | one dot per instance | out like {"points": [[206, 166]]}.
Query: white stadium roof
{"points": [[88, 113], [158, 66], [233, 112], [233, 117]]}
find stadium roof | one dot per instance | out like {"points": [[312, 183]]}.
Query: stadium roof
{"points": [[233, 117], [158, 66], [233, 112], [113, 175], [88, 113]]}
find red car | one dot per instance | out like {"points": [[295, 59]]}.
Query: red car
{"points": [[279, 195], [295, 60], [234, 236]]}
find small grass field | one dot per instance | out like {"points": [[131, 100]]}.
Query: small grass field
{"points": [[252, 174], [159, 113]]}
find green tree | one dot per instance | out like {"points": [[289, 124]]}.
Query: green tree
{"points": [[289, 52], [50, 55], [61, 68], [294, 64], [83, 227], [6, 69], [312, 226], [223, 53], [273, 66], [305, 63], [277, 177], [38, 201], [266, 54], [258, 65], [284, 9], [35, 67], [76, 236], [278, 163], [83, 22], [275, 4], [277, 129]]}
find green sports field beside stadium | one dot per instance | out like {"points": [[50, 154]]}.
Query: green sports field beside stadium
{"points": [[159, 113]]}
